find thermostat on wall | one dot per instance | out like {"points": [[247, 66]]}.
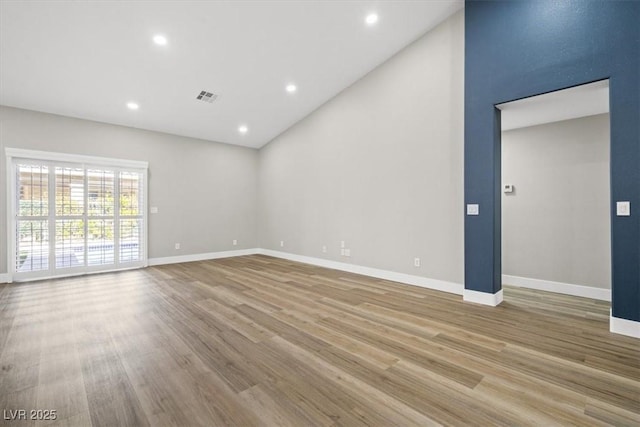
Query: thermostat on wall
{"points": [[508, 188]]}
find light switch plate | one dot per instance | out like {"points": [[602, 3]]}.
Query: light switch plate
{"points": [[154, 209], [473, 209], [623, 208]]}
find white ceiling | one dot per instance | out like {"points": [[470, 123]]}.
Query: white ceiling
{"points": [[87, 59], [579, 101]]}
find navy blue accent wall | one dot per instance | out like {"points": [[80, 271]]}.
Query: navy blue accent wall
{"points": [[517, 49]]}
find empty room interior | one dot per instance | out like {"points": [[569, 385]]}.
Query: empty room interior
{"points": [[320, 213]]}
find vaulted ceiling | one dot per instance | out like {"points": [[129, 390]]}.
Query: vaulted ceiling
{"points": [[89, 59]]}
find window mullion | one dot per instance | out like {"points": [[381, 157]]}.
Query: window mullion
{"points": [[52, 218], [86, 215], [116, 217]]}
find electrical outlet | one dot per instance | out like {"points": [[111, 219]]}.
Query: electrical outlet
{"points": [[154, 209], [416, 262], [347, 252], [623, 208], [235, 242], [324, 249], [282, 243], [342, 251], [342, 243], [177, 246]]}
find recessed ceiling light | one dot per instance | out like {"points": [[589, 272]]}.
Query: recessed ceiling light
{"points": [[132, 106], [371, 19], [243, 129], [291, 88], [160, 40]]}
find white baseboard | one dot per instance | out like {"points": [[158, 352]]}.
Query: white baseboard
{"points": [[22, 279], [483, 298], [6, 278], [201, 256], [409, 279], [558, 287], [624, 327], [424, 282]]}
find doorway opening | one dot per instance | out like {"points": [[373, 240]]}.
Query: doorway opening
{"points": [[556, 220]]}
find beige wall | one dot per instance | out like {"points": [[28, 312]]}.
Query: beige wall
{"points": [[556, 226], [206, 192], [380, 167]]}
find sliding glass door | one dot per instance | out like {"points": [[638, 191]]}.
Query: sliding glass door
{"points": [[72, 217]]}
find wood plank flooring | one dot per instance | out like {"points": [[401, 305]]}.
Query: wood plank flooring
{"points": [[262, 341]]}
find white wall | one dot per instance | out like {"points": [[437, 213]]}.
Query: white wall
{"points": [[556, 226], [380, 166], [206, 192]]}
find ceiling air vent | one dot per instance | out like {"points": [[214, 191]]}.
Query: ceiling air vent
{"points": [[207, 96]]}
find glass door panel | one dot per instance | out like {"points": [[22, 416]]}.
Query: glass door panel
{"points": [[69, 243], [130, 216], [32, 225], [101, 217], [69, 217], [100, 242], [32, 248]]}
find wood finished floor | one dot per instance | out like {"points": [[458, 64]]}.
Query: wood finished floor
{"points": [[261, 341]]}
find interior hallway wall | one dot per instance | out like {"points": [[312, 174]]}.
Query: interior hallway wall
{"points": [[556, 226]]}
